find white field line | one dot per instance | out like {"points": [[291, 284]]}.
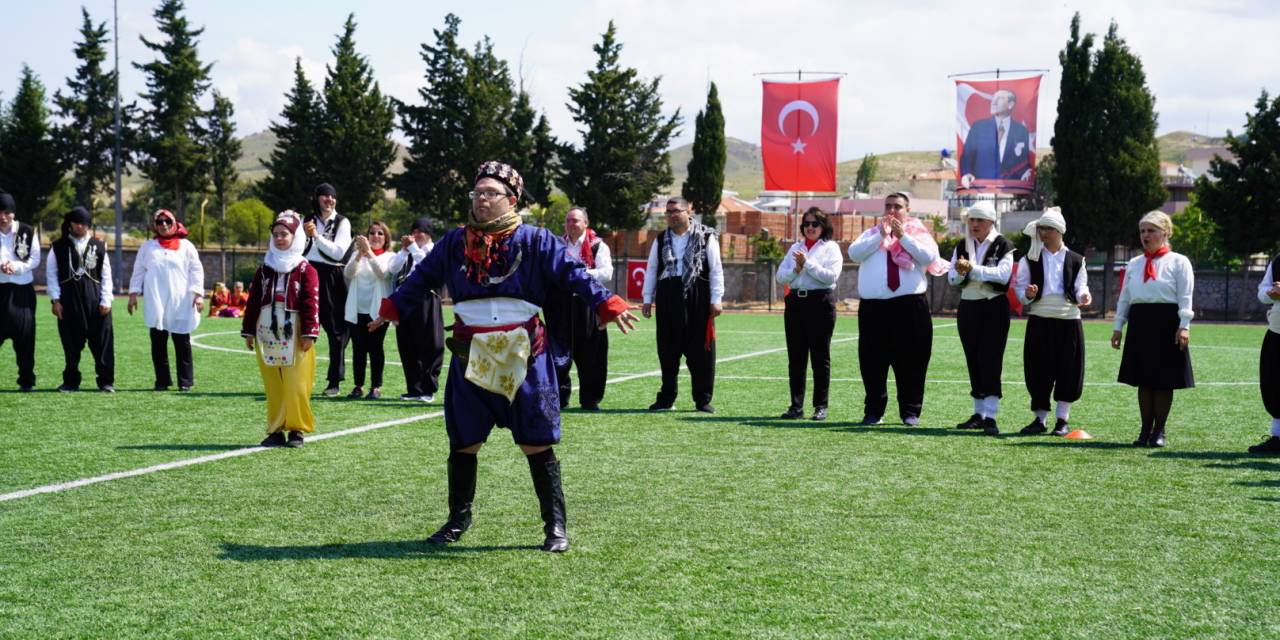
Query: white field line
{"points": [[942, 381], [177, 464]]}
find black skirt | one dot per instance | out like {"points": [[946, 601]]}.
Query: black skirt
{"points": [[1151, 357]]}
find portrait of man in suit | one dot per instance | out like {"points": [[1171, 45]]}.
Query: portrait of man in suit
{"points": [[999, 147]]}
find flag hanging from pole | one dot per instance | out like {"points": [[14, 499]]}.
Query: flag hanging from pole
{"points": [[996, 134], [798, 135]]}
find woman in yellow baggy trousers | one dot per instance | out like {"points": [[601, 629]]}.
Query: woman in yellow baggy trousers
{"points": [[282, 321]]}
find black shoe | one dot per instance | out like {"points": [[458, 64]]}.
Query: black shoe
{"points": [[660, 406], [106, 388], [1036, 426], [868, 420], [462, 490], [793, 413], [989, 427], [974, 422], [356, 393], [1157, 439], [26, 388], [161, 387], [66, 388], [1061, 428], [1144, 438], [819, 414], [273, 440], [706, 408], [295, 440], [374, 394], [184, 389], [1268, 447], [331, 390], [590, 407], [545, 470]]}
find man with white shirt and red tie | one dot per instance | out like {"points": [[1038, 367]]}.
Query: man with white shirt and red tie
{"points": [[895, 327], [586, 341]]}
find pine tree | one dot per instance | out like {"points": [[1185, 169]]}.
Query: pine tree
{"points": [[866, 173], [1108, 162], [623, 161], [85, 142], [1243, 197], [358, 121], [705, 183], [172, 156], [224, 150], [293, 165], [29, 168], [544, 168]]}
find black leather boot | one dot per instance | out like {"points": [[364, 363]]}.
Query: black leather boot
{"points": [[545, 470], [1144, 436], [462, 490]]}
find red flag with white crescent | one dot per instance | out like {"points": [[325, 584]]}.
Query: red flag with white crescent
{"points": [[635, 279], [798, 135]]}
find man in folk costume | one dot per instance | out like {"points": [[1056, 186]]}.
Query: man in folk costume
{"points": [[282, 321], [78, 276], [585, 342], [1269, 360], [895, 328], [19, 257], [1053, 287], [686, 280], [420, 334], [500, 274], [328, 247], [981, 268]]}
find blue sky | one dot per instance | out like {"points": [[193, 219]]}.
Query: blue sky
{"points": [[1206, 61]]}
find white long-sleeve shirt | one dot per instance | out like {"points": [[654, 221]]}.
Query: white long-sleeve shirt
{"points": [[22, 269], [873, 281], [1175, 281], [1273, 314], [602, 270], [678, 244], [335, 248], [822, 264], [169, 281], [414, 254], [1053, 301], [368, 282], [975, 289], [53, 280]]}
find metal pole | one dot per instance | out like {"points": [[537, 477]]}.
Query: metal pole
{"points": [[115, 160]]}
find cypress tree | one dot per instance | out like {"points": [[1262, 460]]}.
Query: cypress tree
{"points": [[29, 168], [358, 122], [1243, 197], [224, 150], [623, 160], [705, 183], [293, 165], [172, 156], [866, 173], [544, 168]]}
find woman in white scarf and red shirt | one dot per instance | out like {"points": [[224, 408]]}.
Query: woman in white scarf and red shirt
{"points": [[282, 319], [1155, 299]]}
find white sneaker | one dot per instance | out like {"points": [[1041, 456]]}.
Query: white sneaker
{"points": [[428, 398], [912, 421]]}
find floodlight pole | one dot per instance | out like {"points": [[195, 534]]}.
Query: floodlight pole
{"points": [[115, 160]]}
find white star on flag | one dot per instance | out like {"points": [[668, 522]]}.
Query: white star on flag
{"points": [[797, 146]]}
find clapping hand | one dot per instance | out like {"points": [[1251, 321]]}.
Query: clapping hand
{"points": [[310, 229], [963, 267], [1032, 290], [895, 227], [799, 257], [1274, 293], [1085, 300]]}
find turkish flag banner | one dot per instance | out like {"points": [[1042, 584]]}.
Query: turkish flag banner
{"points": [[996, 135], [798, 135], [635, 278]]}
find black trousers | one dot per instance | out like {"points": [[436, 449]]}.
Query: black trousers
{"points": [[589, 351], [420, 341], [682, 332], [809, 323], [894, 333], [333, 309], [18, 323], [181, 353], [367, 344], [1053, 360], [96, 330], [1269, 373], [984, 331]]}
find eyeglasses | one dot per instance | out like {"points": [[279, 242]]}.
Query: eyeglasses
{"points": [[672, 212], [487, 195], [811, 223], [164, 222]]}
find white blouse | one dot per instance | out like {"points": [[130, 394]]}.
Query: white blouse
{"points": [[1273, 314], [1174, 283], [821, 270], [368, 282], [169, 280]]}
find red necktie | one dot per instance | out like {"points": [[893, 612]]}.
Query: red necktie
{"points": [[891, 270]]}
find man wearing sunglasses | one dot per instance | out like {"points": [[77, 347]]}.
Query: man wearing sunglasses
{"points": [[686, 280], [19, 256]]}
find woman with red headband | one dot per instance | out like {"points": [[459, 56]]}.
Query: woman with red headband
{"points": [[168, 275]]}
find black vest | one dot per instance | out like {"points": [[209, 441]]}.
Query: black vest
{"points": [[1071, 266], [23, 240], [74, 266], [330, 234], [999, 247], [408, 269]]}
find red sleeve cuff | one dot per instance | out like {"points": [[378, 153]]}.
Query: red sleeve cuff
{"points": [[610, 309], [387, 311]]}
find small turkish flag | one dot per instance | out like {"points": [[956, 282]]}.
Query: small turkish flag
{"points": [[635, 278], [798, 135]]}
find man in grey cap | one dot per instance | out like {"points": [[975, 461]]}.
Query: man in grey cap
{"points": [[420, 334]]}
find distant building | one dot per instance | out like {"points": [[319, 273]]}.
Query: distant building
{"points": [[1198, 159]]}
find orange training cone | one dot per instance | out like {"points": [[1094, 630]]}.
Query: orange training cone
{"points": [[1078, 434]]}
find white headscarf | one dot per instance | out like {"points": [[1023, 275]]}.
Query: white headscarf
{"points": [[983, 210], [1052, 217], [286, 260]]}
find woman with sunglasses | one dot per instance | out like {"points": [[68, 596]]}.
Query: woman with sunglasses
{"points": [[368, 275], [810, 269], [167, 273]]}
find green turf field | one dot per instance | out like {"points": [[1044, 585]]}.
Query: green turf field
{"points": [[682, 524]]}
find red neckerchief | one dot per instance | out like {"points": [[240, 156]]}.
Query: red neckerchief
{"points": [[378, 252], [1149, 273], [173, 240], [588, 257], [808, 244], [482, 250]]}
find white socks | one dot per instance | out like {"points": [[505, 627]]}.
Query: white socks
{"points": [[990, 406], [1042, 415], [1275, 427], [1064, 410]]}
